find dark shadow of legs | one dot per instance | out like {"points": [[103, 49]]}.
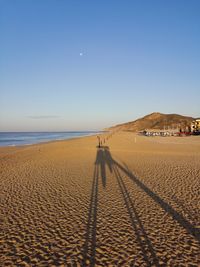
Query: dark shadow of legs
{"points": [[148, 253], [165, 206], [103, 172], [89, 248], [100, 161]]}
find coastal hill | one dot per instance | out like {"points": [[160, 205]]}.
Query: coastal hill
{"points": [[155, 121]]}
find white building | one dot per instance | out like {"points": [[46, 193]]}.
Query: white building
{"points": [[195, 126]]}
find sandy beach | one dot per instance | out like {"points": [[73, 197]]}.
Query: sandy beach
{"points": [[133, 202]]}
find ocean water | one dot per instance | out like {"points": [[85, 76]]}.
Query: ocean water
{"points": [[28, 138]]}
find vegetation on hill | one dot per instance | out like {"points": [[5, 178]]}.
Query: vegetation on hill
{"points": [[155, 121]]}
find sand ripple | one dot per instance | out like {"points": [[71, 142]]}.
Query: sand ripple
{"points": [[126, 204]]}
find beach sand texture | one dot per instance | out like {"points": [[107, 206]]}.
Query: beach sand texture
{"points": [[133, 202]]}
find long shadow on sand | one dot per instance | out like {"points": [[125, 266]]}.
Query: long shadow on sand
{"points": [[146, 246], [104, 158], [164, 205], [89, 248]]}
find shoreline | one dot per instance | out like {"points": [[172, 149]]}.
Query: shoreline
{"points": [[53, 140], [180, 141]]}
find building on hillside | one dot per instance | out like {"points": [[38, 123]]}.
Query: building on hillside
{"points": [[195, 126]]}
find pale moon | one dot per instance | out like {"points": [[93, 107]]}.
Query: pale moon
{"points": [[81, 54]]}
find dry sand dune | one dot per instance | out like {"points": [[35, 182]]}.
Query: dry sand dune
{"points": [[133, 202]]}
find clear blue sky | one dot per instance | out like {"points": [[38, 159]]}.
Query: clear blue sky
{"points": [[77, 65]]}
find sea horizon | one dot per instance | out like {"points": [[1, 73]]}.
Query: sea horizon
{"points": [[34, 137]]}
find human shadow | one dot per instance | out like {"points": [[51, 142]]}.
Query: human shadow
{"points": [[179, 218], [100, 164], [103, 159], [148, 253], [89, 247]]}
